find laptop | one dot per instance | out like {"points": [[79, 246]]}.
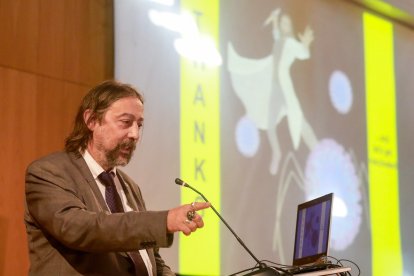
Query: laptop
{"points": [[313, 222]]}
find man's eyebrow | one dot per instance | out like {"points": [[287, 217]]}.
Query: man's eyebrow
{"points": [[130, 116], [125, 114]]}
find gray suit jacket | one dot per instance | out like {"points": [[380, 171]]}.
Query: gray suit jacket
{"points": [[70, 229]]}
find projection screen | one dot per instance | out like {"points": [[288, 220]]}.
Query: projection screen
{"points": [[263, 105]]}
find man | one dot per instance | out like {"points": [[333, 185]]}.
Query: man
{"points": [[84, 216]]}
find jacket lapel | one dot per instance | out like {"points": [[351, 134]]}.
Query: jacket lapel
{"points": [[87, 176], [135, 200], [132, 201], [131, 192]]}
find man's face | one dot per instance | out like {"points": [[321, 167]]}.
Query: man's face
{"points": [[114, 138], [286, 25]]}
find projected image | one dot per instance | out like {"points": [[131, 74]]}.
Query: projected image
{"points": [[293, 120], [330, 168], [267, 91], [191, 43], [340, 91], [309, 159]]}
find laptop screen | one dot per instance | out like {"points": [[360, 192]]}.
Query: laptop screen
{"points": [[312, 230]]}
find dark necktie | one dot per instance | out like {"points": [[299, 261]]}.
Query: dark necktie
{"points": [[115, 205]]}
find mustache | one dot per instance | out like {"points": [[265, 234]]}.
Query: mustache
{"points": [[131, 144], [113, 155]]}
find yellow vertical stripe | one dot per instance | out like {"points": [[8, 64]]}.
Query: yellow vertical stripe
{"points": [[382, 146], [200, 146]]}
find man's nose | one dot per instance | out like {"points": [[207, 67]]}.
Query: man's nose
{"points": [[134, 132]]}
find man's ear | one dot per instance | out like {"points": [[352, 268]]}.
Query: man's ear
{"points": [[89, 121]]}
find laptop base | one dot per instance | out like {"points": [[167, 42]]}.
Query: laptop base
{"points": [[267, 271]]}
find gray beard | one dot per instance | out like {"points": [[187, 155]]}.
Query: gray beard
{"points": [[113, 155]]}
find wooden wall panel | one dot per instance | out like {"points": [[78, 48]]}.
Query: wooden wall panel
{"points": [[52, 33], [84, 22], [51, 53], [64, 39], [18, 94], [19, 32]]}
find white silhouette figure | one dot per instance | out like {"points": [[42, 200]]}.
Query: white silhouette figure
{"points": [[266, 89]]}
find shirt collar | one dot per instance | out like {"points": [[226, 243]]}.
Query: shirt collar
{"points": [[93, 166]]}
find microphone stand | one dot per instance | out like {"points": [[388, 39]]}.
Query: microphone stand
{"points": [[263, 268]]}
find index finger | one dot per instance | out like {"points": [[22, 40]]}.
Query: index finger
{"points": [[201, 205]]}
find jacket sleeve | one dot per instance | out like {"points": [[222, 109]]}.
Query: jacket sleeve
{"points": [[162, 268]]}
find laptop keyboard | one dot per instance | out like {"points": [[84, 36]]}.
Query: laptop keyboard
{"points": [[308, 268]]}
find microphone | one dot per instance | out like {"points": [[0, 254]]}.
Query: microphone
{"points": [[264, 269]]}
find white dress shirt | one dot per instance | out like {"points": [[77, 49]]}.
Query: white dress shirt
{"points": [[96, 170]]}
